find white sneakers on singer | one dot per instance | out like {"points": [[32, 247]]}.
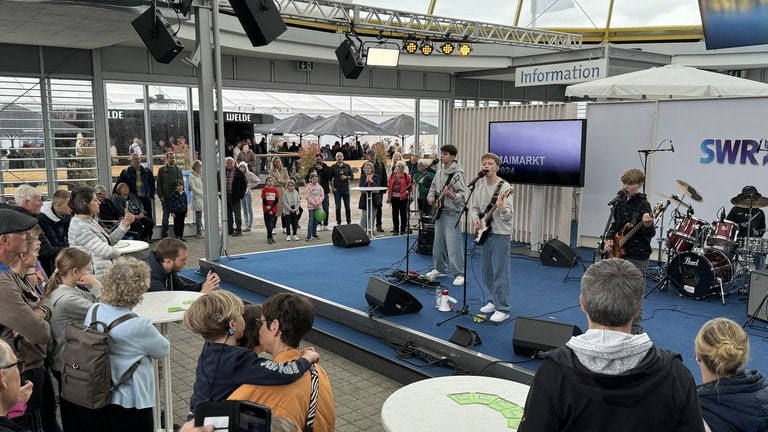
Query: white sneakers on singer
{"points": [[488, 308], [432, 274], [499, 316], [459, 281]]}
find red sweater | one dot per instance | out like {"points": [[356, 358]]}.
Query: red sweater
{"points": [[405, 183], [270, 197]]}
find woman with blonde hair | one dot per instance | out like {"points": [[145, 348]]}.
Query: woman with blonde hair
{"points": [[72, 270], [281, 177], [732, 398], [135, 340]]}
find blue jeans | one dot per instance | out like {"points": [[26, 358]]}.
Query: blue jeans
{"points": [[339, 195], [637, 322], [312, 225], [248, 209], [495, 266], [198, 221], [364, 218], [166, 215], [448, 247]]}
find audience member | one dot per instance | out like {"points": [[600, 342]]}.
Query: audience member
{"points": [[108, 214], [270, 204], [380, 170], [324, 177], [70, 304], [248, 157], [86, 234], [315, 198], [198, 200], [29, 200], [609, 379], [11, 390], [141, 182], [286, 319], [423, 179], [398, 194], [223, 366], [168, 259], [54, 219], [126, 201], [24, 320], [252, 181], [124, 284], [342, 176], [236, 185], [280, 176], [291, 207], [368, 179], [732, 397], [177, 205], [167, 176]]}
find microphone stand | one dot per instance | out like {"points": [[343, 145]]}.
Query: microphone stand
{"points": [[600, 252], [464, 310], [645, 153]]}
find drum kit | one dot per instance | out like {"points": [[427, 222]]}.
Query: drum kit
{"points": [[706, 258]]}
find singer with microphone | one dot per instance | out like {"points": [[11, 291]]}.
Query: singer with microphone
{"points": [[422, 178], [447, 197], [630, 207]]}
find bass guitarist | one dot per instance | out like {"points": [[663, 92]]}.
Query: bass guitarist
{"points": [[447, 197], [627, 212], [492, 211]]}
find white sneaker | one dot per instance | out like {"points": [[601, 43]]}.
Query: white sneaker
{"points": [[288, 238], [499, 316], [432, 274], [295, 238], [459, 281], [488, 308]]}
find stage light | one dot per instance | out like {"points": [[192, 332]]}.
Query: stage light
{"points": [[410, 46], [446, 48], [426, 48], [182, 6], [381, 56], [464, 49]]}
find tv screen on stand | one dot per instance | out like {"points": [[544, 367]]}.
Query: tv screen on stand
{"points": [[540, 152]]}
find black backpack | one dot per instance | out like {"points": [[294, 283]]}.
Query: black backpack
{"points": [[86, 378]]}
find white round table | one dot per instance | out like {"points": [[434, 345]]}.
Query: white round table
{"points": [[131, 246], [163, 307], [371, 218], [455, 403]]}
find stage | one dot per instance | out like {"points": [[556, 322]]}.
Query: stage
{"points": [[336, 278]]}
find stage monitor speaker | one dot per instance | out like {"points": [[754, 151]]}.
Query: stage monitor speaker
{"points": [[349, 235], [389, 299], [158, 36], [757, 304], [558, 254], [349, 59], [532, 335], [260, 20], [465, 337]]}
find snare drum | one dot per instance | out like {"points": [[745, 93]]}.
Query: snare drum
{"points": [[723, 233], [698, 275], [756, 246], [686, 234]]}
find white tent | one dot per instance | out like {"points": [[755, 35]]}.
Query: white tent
{"points": [[667, 82]]}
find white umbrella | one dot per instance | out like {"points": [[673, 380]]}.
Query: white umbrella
{"points": [[668, 82]]}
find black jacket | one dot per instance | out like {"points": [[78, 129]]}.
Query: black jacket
{"points": [[737, 403], [659, 394], [7, 425], [162, 281], [239, 185], [324, 176], [631, 212], [128, 176]]}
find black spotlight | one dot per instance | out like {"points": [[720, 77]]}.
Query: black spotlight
{"points": [[157, 35], [349, 59], [260, 19]]}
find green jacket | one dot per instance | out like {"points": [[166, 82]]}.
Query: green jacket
{"points": [[166, 179]]}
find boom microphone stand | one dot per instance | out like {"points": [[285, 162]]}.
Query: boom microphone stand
{"points": [[464, 310]]}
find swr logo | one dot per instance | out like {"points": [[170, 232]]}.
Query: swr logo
{"points": [[731, 151]]}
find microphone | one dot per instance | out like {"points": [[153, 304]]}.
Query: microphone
{"points": [[434, 162], [722, 214], [619, 195], [480, 175], [671, 146]]}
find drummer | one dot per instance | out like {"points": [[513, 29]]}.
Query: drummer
{"points": [[747, 207]]}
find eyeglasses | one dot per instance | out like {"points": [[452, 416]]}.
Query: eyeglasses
{"points": [[19, 364]]}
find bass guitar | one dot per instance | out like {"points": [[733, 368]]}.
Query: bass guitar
{"points": [[621, 239], [481, 234], [437, 207]]}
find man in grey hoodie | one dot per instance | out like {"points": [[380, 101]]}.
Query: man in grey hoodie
{"points": [[609, 379]]}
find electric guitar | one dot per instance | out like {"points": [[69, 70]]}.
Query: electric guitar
{"points": [[481, 234], [437, 207], [621, 239]]}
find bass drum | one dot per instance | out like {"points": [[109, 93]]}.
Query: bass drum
{"points": [[698, 275]]}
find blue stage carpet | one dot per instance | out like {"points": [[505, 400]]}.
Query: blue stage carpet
{"points": [[341, 275]]}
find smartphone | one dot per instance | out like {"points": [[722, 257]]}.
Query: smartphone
{"points": [[234, 416]]}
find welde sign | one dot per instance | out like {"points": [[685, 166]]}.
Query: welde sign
{"points": [[561, 73]]}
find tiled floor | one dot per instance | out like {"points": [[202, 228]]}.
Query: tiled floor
{"points": [[359, 392]]}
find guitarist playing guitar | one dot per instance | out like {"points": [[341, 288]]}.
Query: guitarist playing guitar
{"points": [[492, 203], [633, 210]]}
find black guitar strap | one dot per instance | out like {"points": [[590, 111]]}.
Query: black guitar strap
{"points": [[493, 198]]}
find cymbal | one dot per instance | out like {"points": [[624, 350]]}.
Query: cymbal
{"points": [[675, 199], [747, 201], [689, 191]]}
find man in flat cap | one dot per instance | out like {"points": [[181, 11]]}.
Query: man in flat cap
{"points": [[24, 316]]}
